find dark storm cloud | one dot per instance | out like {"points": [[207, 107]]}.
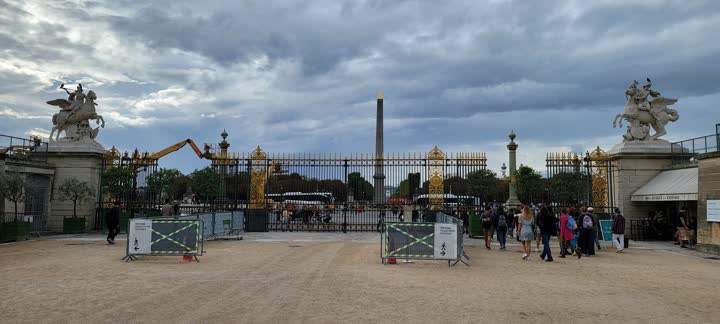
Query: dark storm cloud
{"points": [[453, 72]]}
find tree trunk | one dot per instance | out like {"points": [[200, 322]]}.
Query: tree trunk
{"points": [[74, 208], [15, 210]]}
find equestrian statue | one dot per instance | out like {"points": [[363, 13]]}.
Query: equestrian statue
{"points": [[644, 114], [74, 114]]}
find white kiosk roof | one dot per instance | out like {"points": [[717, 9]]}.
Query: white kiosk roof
{"points": [[670, 185]]}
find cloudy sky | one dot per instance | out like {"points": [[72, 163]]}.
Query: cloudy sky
{"points": [[302, 76]]}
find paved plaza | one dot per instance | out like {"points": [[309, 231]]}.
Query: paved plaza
{"points": [[335, 277]]}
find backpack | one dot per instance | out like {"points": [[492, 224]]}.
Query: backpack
{"points": [[571, 223], [587, 222], [502, 222]]}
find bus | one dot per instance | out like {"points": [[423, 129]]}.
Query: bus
{"points": [[448, 200], [303, 198]]}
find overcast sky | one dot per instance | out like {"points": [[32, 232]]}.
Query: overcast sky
{"points": [[302, 76]]}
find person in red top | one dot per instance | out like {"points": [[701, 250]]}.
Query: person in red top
{"points": [[566, 233]]}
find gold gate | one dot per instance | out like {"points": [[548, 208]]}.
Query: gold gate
{"points": [[258, 176], [436, 171]]}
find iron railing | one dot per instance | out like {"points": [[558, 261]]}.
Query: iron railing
{"points": [[683, 152], [18, 149]]}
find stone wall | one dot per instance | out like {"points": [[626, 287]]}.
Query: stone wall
{"points": [[633, 171], [86, 167], [708, 233]]}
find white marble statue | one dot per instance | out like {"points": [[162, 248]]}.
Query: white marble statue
{"points": [[74, 116], [643, 113]]}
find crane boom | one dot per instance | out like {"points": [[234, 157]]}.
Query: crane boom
{"points": [[177, 146]]}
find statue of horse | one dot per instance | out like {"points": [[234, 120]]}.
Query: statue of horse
{"points": [[65, 119], [658, 116]]}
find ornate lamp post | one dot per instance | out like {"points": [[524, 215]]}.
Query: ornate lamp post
{"points": [[512, 148]]}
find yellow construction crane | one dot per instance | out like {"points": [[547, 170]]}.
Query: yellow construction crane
{"points": [[181, 144]]}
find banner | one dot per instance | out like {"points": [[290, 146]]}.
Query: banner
{"points": [[164, 237]]}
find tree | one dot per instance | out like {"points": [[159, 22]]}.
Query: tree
{"points": [[117, 182], [159, 182], [529, 183], [12, 187], [409, 187], [567, 188], [75, 190], [179, 186], [360, 188], [205, 183], [482, 183], [455, 185]]}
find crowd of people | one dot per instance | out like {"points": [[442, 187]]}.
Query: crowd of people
{"points": [[577, 229]]}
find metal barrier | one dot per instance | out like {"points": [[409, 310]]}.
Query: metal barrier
{"points": [[220, 224], [38, 220], [164, 236], [442, 240]]}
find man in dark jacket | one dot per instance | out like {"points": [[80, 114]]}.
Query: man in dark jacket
{"points": [[618, 230], [112, 219], [548, 228]]}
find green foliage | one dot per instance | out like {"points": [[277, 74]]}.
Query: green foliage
{"points": [[566, 188], [409, 187], [205, 184], [360, 188], [178, 187], [529, 183], [76, 191], [455, 185], [117, 182], [160, 181], [12, 187], [482, 183]]}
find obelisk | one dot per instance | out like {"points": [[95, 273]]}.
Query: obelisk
{"points": [[379, 176], [512, 148]]}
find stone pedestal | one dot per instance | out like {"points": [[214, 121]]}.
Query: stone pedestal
{"points": [[74, 160], [636, 163]]}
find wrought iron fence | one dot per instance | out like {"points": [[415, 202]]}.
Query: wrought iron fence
{"points": [[580, 181], [335, 192]]}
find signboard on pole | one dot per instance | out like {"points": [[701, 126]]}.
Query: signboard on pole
{"points": [[445, 241], [713, 210]]}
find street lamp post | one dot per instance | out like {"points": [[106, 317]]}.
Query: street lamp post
{"points": [[512, 148]]}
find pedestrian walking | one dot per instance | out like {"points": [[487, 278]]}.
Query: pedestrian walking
{"points": [[548, 229], [112, 220], [588, 233], [525, 231], [598, 229], [567, 233], [487, 222], [536, 228], [284, 219], [618, 230], [501, 227]]}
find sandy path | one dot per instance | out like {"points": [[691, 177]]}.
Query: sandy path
{"points": [[84, 281]]}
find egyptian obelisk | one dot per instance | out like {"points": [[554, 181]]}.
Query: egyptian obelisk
{"points": [[379, 176]]}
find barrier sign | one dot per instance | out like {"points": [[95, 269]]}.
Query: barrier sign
{"points": [[606, 228], [164, 237], [423, 241], [446, 241]]}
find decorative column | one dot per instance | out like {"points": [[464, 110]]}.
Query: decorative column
{"points": [[379, 177], [512, 148]]}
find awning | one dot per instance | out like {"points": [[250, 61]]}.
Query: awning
{"points": [[670, 185]]}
